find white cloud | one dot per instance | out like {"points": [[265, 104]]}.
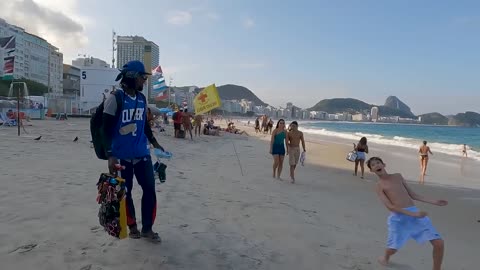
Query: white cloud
{"points": [[55, 21], [248, 23], [179, 17]]}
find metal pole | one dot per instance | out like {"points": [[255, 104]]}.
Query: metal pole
{"points": [[18, 110]]}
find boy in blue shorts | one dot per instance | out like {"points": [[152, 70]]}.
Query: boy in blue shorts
{"points": [[406, 220]]}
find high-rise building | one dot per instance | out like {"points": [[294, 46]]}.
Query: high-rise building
{"points": [[35, 58], [138, 48], [9, 30], [374, 114]]}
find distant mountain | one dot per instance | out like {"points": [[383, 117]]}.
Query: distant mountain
{"points": [[467, 119], [236, 92], [434, 119], [340, 105], [395, 103], [353, 106]]}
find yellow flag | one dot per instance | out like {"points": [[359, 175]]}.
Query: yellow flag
{"points": [[207, 100]]}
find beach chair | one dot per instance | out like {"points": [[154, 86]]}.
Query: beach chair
{"points": [[7, 122]]}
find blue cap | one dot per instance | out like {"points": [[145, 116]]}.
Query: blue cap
{"points": [[135, 66], [132, 67]]}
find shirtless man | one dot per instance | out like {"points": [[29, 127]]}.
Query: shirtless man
{"points": [[294, 137], [424, 150], [198, 124], [187, 122], [406, 220]]}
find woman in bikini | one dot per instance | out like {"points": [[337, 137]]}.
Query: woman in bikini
{"points": [[361, 149], [424, 151], [277, 147]]}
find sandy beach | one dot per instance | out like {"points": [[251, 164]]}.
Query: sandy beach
{"points": [[211, 217]]}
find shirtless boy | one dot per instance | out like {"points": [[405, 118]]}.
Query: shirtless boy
{"points": [[294, 137], [198, 124], [406, 220]]}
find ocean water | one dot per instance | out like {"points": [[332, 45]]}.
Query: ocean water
{"points": [[445, 139]]}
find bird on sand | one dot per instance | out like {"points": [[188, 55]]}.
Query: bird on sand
{"points": [[38, 139], [76, 139]]}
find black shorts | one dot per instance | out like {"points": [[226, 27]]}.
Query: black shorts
{"points": [[177, 126]]}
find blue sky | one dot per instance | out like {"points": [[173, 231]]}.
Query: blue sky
{"points": [[425, 52]]}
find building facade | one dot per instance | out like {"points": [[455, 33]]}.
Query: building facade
{"points": [[374, 114], [95, 85], [90, 62], [71, 81], [8, 30], [138, 48], [55, 76], [35, 58]]}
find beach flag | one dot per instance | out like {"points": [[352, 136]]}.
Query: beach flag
{"points": [[207, 100], [161, 96], [159, 85], [157, 70]]}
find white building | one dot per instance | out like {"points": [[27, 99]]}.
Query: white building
{"points": [[131, 48], [359, 117], [374, 114], [95, 84]]}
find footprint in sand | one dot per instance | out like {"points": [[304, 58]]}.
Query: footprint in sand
{"points": [[96, 229], [86, 267], [24, 248]]}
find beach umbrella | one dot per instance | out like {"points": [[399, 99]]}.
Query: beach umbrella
{"points": [[165, 110], [154, 110]]}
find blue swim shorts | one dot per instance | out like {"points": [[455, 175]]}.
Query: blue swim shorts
{"points": [[402, 227]]}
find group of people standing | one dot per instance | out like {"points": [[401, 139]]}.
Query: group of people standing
{"points": [[183, 118]]}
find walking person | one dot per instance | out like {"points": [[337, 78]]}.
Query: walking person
{"points": [[424, 151], [277, 148], [362, 150]]}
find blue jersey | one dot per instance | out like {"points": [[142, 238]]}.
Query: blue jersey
{"points": [[129, 140]]}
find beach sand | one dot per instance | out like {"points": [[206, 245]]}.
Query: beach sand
{"points": [[209, 215]]}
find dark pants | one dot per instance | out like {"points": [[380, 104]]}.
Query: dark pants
{"points": [[143, 171]]}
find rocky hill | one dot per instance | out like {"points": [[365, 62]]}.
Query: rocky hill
{"points": [[434, 119], [467, 119], [395, 103], [353, 106]]}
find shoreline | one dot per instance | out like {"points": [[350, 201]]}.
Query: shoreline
{"points": [[406, 142], [443, 170]]}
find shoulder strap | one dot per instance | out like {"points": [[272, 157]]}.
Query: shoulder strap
{"points": [[119, 98]]}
